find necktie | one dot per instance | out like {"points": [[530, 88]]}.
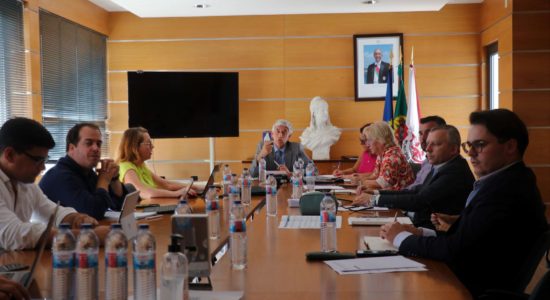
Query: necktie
{"points": [[377, 69], [279, 157]]}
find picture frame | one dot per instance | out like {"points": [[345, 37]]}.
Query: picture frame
{"points": [[371, 82]]}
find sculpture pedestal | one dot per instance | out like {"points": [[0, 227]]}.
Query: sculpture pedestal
{"points": [[322, 153]]}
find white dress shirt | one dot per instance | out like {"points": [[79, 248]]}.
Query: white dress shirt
{"points": [[24, 219]]}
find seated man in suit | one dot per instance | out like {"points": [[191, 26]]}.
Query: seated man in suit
{"points": [[24, 210], [504, 214], [279, 154], [75, 183], [377, 72], [445, 188]]}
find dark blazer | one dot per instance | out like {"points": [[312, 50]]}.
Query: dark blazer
{"points": [[293, 151], [74, 187], [382, 75], [445, 192], [489, 242]]}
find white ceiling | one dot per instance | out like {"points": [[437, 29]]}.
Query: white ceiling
{"points": [[187, 8]]}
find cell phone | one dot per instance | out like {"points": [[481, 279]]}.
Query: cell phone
{"points": [[266, 136]]}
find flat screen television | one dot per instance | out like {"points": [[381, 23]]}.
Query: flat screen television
{"points": [[184, 104]]}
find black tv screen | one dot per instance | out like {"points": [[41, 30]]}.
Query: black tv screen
{"points": [[184, 104]]}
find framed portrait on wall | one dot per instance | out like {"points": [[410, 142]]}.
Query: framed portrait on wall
{"points": [[373, 55]]}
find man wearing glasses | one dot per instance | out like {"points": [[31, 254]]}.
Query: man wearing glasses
{"points": [[504, 215], [77, 181], [24, 210]]}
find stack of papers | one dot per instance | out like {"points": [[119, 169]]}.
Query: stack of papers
{"points": [[370, 265], [138, 215], [360, 208], [305, 222], [378, 243], [374, 221]]}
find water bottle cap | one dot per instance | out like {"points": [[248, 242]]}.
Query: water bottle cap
{"points": [[143, 226], [183, 201], [237, 202], [86, 226], [64, 226], [175, 245], [245, 169], [116, 226]]}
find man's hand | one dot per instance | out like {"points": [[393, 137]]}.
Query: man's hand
{"points": [[76, 219], [109, 169], [266, 149], [363, 199], [390, 230], [12, 290], [284, 168], [443, 222]]}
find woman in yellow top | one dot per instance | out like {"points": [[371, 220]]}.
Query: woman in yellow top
{"points": [[135, 148]]}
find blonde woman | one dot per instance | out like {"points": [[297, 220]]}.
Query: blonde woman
{"points": [[392, 171], [135, 148]]}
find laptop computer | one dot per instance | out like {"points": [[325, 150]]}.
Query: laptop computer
{"points": [[169, 209], [128, 207], [25, 277]]}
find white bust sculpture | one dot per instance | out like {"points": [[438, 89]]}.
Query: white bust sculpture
{"points": [[320, 134]]}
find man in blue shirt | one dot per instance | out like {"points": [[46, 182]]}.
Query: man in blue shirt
{"points": [[75, 181], [504, 216]]}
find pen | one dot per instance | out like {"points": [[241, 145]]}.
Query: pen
{"points": [[286, 222], [277, 164], [395, 218]]}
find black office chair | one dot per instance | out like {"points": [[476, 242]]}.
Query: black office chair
{"points": [[540, 292], [539, 250]]}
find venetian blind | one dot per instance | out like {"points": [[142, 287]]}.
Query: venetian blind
{"points": [[73, 78], [14, 100]]}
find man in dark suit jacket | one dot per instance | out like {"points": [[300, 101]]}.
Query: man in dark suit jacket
{"points": [[504, 214], [377, 72], [446, 187], [279, 150]]}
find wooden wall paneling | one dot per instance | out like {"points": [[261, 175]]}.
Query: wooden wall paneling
{"points": [[118, 116], [114, 140], [31, 28], [260, 114], [82, 12], [181, 149], [297, 112], [308, 83], [533, 107], [348, 144], [454, 110], [180, 170], [501, 32], [352, 114], [530, 31], [532, 70], [117, 86], [494, 10], [451, 18], [304, 52], [241, 148], [447, 81], [506, 99], [199, 54], [261, 84], [126, 26], [530, 5], [539, 143], [505, 80], [442, 49]]}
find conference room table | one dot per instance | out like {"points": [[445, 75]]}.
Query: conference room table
{"points": [[277, 266]]}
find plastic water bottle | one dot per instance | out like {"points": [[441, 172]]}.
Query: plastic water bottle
{"points": [[301, 165], [183, 208], [174, 272], [310, 177], [226, 179], [262, 169], [234, 189], [297, 186], [116, 264], [237, 230], [271, 196], [63, 248], [87, 248], [246, 187], [213, 210], [328, 224], [145, 279]]}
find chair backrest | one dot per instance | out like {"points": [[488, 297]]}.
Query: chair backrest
{"points": [[310, 203], [542, 290], [533, 259]]}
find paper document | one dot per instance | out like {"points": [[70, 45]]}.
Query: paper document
{"points": [[378, 243], [369, 265], [328, 177], [328, 187], [305, 222], [361, 208], [373, 221], [138, 215], [345, 191], [275, 172]]}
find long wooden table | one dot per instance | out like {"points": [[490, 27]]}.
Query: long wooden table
{"points": [[277, 268]]}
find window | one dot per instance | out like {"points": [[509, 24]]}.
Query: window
{"points": [[492, 73], [14, 100], [73, 78]]}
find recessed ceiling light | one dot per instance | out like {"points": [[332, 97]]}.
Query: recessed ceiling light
{"points": [[202, 5], [370, 2]]}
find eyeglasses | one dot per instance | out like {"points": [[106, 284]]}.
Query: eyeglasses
{"points": [[148, 144], [477, 145], [38, 160]]}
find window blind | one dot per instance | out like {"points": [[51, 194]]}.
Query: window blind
{"points": [[14, 100], [73, 78]]}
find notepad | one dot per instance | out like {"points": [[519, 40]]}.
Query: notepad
{"points": [[138, 215], [369, 265], [373, 221], [305, 222], [378, 243]]}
